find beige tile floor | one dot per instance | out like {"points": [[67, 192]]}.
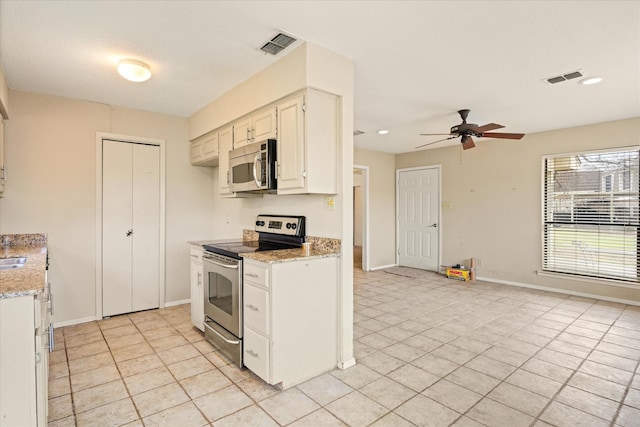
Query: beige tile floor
{"points": [[430, 351]]}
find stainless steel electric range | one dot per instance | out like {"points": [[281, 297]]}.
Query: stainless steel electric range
{"points": [[223, 278]]}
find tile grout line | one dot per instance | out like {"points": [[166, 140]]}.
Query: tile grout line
{"points": [[566, 382]]}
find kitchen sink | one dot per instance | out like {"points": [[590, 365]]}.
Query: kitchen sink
{"points": [[15, 262]]}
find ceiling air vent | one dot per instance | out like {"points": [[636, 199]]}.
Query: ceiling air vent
{"points": [[563, 78], [277, 44]]}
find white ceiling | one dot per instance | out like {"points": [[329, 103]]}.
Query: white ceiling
{"points": [[416, 62]]}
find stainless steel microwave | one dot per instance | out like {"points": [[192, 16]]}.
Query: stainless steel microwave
{"points": [[253, 167]]}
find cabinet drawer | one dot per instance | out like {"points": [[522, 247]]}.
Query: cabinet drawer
{"points": [[256, 354], [256, 273], [256, 309]]}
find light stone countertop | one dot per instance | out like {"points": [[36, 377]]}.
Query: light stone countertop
{"points": [[289, 255], [26, 280], [322, 248]]}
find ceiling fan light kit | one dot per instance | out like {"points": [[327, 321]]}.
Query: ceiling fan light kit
{"points": [[466, 132]]}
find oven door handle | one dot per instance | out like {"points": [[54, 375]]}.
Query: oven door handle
{"points": [[211, 260], [220, 335], [257, 161]]}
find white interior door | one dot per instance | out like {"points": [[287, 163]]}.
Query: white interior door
{"points": [[418, 198], [130, 227], [146, 226], [117, 197]]}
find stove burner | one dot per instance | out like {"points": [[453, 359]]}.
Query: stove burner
{"points": [[278, 237]]}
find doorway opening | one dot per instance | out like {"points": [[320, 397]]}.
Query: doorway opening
{"points": [[361, 217]]}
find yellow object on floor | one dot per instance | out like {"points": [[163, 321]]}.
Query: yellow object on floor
{"points": [[458, 273]]}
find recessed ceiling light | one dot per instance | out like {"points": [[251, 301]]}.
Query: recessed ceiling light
{"points": [[383, 132], [135, 71], [591, 80]]}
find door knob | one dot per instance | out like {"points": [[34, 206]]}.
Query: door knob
{"points": [[129, 232], [434, 225]]}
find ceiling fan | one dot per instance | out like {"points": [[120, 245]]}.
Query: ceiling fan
{"points": [[468, 130]]}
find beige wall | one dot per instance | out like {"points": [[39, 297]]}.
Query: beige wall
{"points": [[51, 156], [382, 202], [492, 201]]}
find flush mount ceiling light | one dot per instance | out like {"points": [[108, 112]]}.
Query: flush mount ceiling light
{"points": [[135, 71], [383, 132], [591, 80]]}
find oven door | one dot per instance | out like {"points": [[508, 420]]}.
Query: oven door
{"points": [[223, 292]]}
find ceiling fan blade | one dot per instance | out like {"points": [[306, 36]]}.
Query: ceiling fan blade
{"points": [[429, 134], [434, 142], [489, 126], [503, 135], [467, 142]]}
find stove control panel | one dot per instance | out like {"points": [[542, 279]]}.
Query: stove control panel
{"points": [[288, 225]]}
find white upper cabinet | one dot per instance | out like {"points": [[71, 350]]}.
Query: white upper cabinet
{"points": [[225, 140], [306, 126], [3, 171], [4, 96], [4, 114], [308, 142], [290, 146], [255, 127], [204, 150]]}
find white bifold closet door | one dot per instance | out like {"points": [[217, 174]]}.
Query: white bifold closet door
{"points": [[130, 227]]}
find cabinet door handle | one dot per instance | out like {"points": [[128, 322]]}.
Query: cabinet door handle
{"points": [[52, 344], [50, 300], [253, 354], [252, 307], [254, 275]]}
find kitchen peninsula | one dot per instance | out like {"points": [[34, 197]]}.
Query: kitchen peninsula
{"points": [[25, 330]]}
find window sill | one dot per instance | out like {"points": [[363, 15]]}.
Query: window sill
{"points": [[606, 282]]}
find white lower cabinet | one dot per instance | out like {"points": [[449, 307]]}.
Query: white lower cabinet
{"points": [[24, 360], [197, 289], [290, 319]]}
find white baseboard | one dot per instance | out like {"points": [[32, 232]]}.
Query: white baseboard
{"points": [[383, 267], [174, 303], [73, 322], [559, 291], [347, 364], [91, 319]]}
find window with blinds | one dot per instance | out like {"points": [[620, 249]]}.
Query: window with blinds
{"points": [[591, 214]]}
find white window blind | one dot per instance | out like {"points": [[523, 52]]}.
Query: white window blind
{"points": [[591, 214]]}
